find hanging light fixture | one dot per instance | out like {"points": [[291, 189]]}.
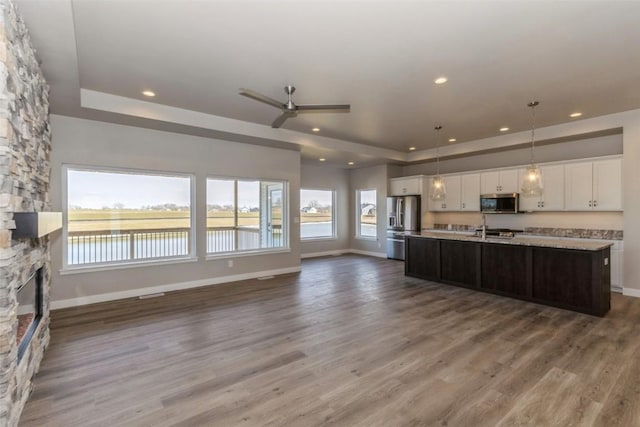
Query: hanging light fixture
{"points": [[438, 192], [532, 180]]}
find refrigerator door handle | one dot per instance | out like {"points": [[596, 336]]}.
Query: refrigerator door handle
{"points": [[399, 212]]}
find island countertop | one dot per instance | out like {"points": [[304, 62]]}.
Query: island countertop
{"points": [[520, 240]]}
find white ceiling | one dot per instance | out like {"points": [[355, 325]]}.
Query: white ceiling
{"points": [[381, 57]]}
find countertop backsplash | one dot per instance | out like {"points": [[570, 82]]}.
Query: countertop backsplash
{"points": [[581, 233]]}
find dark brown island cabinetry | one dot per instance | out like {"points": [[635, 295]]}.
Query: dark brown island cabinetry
{"points": [[574, 279]]}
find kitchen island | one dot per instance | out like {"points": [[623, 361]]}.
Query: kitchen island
{"points": [[561, 273]]}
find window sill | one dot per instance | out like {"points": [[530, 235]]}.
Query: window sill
{"points": [[125, 265], [224, 255], [373, 239], [316, 239]]}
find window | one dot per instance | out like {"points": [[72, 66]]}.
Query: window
{"points": [[366, 213], [317, 219], [118, 216], [246, 215]]}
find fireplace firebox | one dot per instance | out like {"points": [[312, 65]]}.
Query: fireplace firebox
{"points": [[30, 307]]}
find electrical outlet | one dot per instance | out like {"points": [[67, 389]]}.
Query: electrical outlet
{"points": [[230, 263]]}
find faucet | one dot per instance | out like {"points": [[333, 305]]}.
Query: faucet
{"points": [[484, 227]]}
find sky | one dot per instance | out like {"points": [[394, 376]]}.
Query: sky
{"points": [[323, 197], [95, 190]]}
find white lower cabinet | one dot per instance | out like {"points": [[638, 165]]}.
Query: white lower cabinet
{"points": [[617, 266]]}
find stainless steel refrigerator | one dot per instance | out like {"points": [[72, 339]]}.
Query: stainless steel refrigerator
{"points": [[403, 217]]}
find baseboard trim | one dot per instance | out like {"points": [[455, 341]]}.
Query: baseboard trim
{"points": [[367, 253], [132, 293], [631, 292], [325, 253]]}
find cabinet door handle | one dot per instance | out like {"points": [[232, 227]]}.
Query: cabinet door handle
{"points": [[462, 205], [595, 203], [590, 203]]}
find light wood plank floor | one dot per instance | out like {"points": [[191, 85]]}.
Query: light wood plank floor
{"points": [[349, 341]]}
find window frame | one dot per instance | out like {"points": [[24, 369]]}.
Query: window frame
{"points": [[358, 234], [286, 243], [334, 225], [113, 265]]}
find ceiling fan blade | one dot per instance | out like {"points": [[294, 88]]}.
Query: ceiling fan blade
{"points": [[326, 107], [281, 119], [262, 98]]}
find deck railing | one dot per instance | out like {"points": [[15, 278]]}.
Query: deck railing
{"points": [[89, 247]]}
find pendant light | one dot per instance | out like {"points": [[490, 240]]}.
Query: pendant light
{"points": [[532, 179], [438, 191]]}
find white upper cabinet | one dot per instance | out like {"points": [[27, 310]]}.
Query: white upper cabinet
{"points": [[552, 198], [576, 186], [594, 185], [452, 198], [607, 185], [502, 181], [579, 186], [407, 186], [470, 192]]}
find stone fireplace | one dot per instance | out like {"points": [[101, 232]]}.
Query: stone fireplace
{"points": [[25, 268], [30, 308]]}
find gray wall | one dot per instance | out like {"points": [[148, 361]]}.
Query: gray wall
{"points": [[584, 148], [375, 177], [84, 142], [328, 178]]}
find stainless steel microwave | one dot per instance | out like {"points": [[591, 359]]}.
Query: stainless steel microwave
{"points": [[499, 203]]}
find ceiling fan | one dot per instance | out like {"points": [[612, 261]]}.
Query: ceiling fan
{"points": [[289, 109]]}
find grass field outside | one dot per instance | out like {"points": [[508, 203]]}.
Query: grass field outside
{"points": [[129, 219]]}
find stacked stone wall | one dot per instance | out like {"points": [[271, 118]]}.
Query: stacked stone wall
{"points": [[25, 146]]}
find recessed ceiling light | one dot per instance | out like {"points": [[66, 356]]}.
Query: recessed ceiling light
{"points": [[148, 93], [322, 159], [316, 129], [452, 140], [504, 129], [351, 163], [574, 115], [412, 148], [440, 80]]}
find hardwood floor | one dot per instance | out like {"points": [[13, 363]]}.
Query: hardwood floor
{"points": [[350, 341]]}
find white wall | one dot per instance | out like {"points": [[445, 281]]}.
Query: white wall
{"points": [[85, 142], [329, 178], [631, 205], [375, 177]]}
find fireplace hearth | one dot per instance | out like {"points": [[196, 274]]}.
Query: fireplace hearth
{"points": [[29, 310]]}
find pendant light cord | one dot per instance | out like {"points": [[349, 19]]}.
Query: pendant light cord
{"points": [[533, 129], [438, 151]]}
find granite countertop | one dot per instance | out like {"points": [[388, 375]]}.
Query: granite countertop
{"points": [[586, 245]]}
